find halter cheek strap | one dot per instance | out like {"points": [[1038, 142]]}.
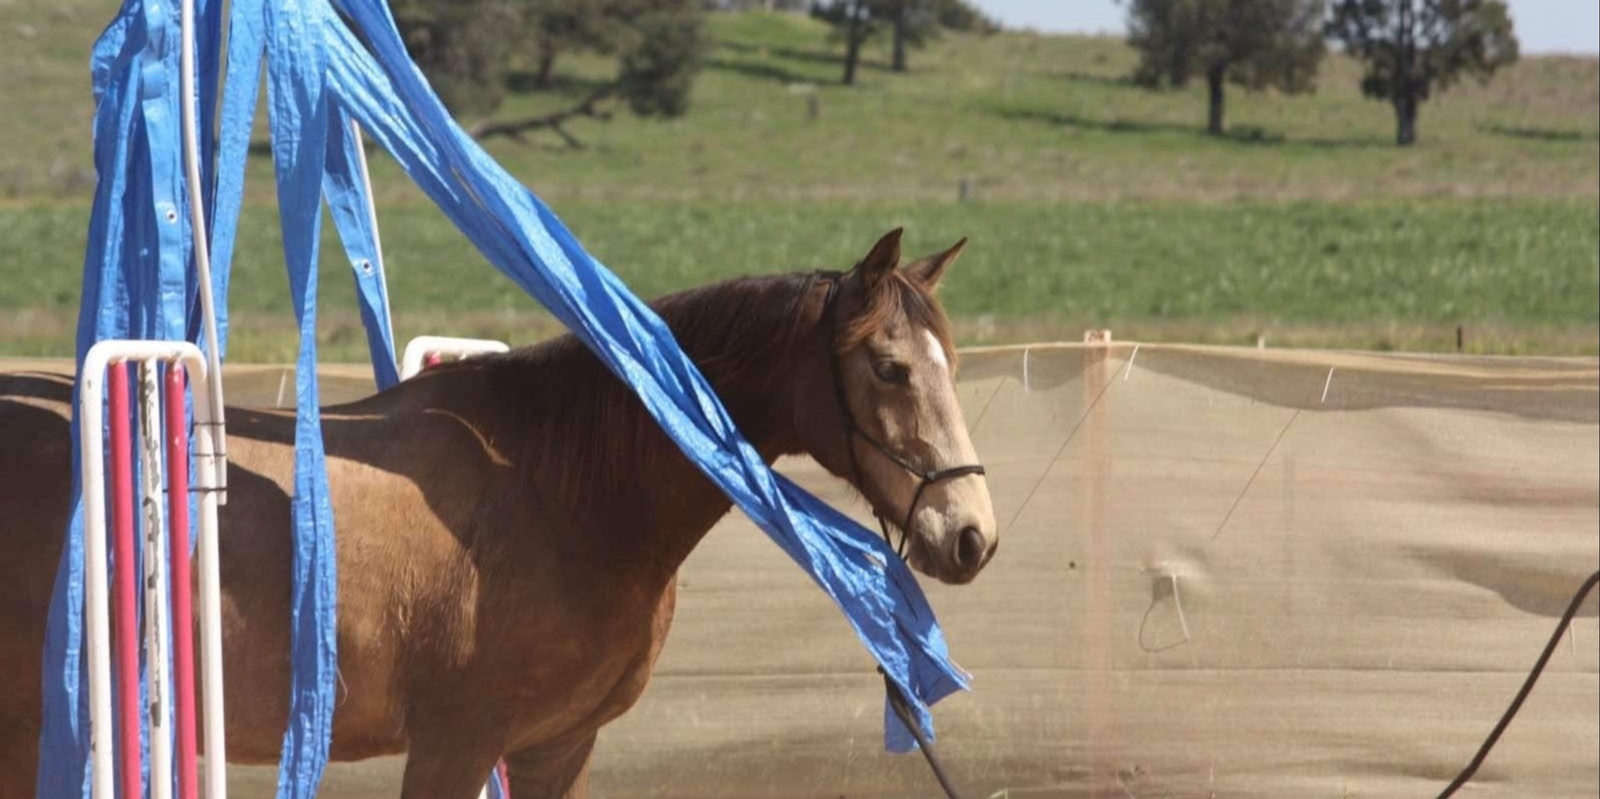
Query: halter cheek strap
{"points": [[853, 430]]}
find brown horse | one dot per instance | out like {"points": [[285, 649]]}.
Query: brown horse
{"points": [[510, 527]]}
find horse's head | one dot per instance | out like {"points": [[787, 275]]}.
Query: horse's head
{"points": [[884, 414]]}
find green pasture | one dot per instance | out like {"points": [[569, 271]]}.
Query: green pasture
{"points": [[1092, 203], [1520, 276]]}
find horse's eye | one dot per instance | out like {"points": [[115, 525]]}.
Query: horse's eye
{"points": [[891, 372]]}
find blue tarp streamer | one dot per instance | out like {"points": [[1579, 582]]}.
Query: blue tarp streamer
{"points": [[324, 70], [299, 117], [345, 188]]}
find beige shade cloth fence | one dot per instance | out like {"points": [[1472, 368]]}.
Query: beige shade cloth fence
{"points": [[1222, 573], [1230, 573]]}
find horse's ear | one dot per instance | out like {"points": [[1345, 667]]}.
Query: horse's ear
{"points": [[930, 270], [882, 261]]}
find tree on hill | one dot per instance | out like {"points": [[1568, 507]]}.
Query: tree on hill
{"points": [[465, 49], [917, 22], [565, 26], [1256, 44], [853, 23], [462, 48], [765, 5], [960, 15], [912, 24], [1412, 47]]}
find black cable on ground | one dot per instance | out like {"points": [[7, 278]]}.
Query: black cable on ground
{"points": [[1527, 688], [897, 701]]}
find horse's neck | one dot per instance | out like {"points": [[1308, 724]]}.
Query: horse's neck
{"points": [[588, 444]]}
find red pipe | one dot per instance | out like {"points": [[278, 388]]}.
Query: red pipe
{"points": [[177, 431], [125, 623], [431, 360]]}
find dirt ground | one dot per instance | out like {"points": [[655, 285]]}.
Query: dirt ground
{"points": [[1223, 573]]}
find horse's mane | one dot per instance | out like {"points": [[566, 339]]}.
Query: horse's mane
{"points": [[579, 423]]}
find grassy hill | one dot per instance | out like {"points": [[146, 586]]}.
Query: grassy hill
{"points": [[1095, 203]]}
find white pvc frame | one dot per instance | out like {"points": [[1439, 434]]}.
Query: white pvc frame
{"points": [[419, 348], [91, 415]]}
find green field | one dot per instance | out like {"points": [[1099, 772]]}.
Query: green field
{"points": [[1096, 204]]}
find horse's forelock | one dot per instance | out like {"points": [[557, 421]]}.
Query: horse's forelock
{"points": [[898, 297]]}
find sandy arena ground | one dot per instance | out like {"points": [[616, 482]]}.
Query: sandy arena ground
{"points": [[1223, 573]]}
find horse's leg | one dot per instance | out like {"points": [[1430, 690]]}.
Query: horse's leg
{"points": [[551, 772], [446, 760]]}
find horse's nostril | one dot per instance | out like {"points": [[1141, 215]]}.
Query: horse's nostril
{"points": [[970, 547]]}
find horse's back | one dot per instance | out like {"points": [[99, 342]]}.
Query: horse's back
{"points": [[35, 488]]}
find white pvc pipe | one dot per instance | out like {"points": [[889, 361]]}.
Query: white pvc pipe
{"points": [[91, 426], [211, 439], [157, 615], [208, 561], [91, 447], [419, 348], [201, 242], [372, 222]]}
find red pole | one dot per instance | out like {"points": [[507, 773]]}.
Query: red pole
{"points": [[125, 623], [431, 360], [177, 431]]}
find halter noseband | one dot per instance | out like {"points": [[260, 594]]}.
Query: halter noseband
{"points": [[853, 430]]}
